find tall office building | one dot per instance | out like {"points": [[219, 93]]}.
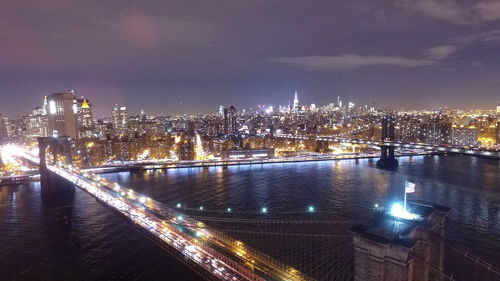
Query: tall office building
{"points": [[61, 109], [4, 128], [119, 115], [38, 123], [226, 121], [498, 132], [464, 136], [85, 118], [296, 101], [232, 119], [438, 132]]}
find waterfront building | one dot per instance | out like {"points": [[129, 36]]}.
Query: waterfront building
{"points": [[464, 136], [241, 153], [438, 132]]}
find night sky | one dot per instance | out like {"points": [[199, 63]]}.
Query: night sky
{"points": [[190, 56]]}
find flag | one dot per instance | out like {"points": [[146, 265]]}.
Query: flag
{"points": [[409, 187]]}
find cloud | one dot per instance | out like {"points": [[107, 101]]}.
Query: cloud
{"points": [[453, 12], [492, 36], [440, 52], [445, 10], [350, 61], [489, 10], [430, 56]]}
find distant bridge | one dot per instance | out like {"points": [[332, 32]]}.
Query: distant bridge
{"points": [[483, 152]]}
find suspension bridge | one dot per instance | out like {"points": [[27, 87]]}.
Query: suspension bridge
{"points": [[234, 245]]}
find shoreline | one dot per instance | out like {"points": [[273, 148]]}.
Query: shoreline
{"points": [[144, 167]]}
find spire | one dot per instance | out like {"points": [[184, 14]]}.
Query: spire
{"points": [[296, 101], [85, 104]]}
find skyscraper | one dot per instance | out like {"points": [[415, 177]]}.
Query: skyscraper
{"points": [[61, 109], [296, 101], [4, 128], [119, 116], [233, 124], [85, 118], [38, 123], [226, 121]]}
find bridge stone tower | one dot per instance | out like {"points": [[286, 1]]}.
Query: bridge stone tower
{"points": [[387, 159], [57, 193], [60, 149], [393, 249]]}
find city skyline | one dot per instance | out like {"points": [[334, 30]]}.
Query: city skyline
{"points": [[190, 57], [293, 103]]}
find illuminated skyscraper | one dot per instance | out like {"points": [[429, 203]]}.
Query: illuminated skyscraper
{"points": [[61, 109], [232, 118], [120, 117], [296, 101], [464, 136], [4, 128], [38, 123], [85, 118]]}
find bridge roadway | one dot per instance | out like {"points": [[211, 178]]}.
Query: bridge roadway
{"points": [[217, 254], [483, 152]]}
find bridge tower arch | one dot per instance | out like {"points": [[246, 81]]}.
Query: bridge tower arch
{"points": [[57, 193], [387, 159], [53, 149]]}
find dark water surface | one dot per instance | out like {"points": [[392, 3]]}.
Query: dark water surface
{"points": [[98, 245]]}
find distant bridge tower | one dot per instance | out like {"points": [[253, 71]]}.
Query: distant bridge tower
{"points": [[387, 159]]}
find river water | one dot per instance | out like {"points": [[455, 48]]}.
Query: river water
{"points": [[98, 245]]}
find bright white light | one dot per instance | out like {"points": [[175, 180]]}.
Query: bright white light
{"points": [[376, 205], [52, 107], [229, 209], [201, 208], [398, 211], [178, 205], [142, 200], [311, 209], [264, 210]]}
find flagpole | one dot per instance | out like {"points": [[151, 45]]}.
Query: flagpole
{"points": [[404, 208]]}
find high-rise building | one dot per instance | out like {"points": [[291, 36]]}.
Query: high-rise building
{"points": [[438, 132], [497, 132], [120, 117], [4, 128], [226, 121], [85, 118], [296, 101], [232, 118], [38, 123], [61, 109], [464, 136]]}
